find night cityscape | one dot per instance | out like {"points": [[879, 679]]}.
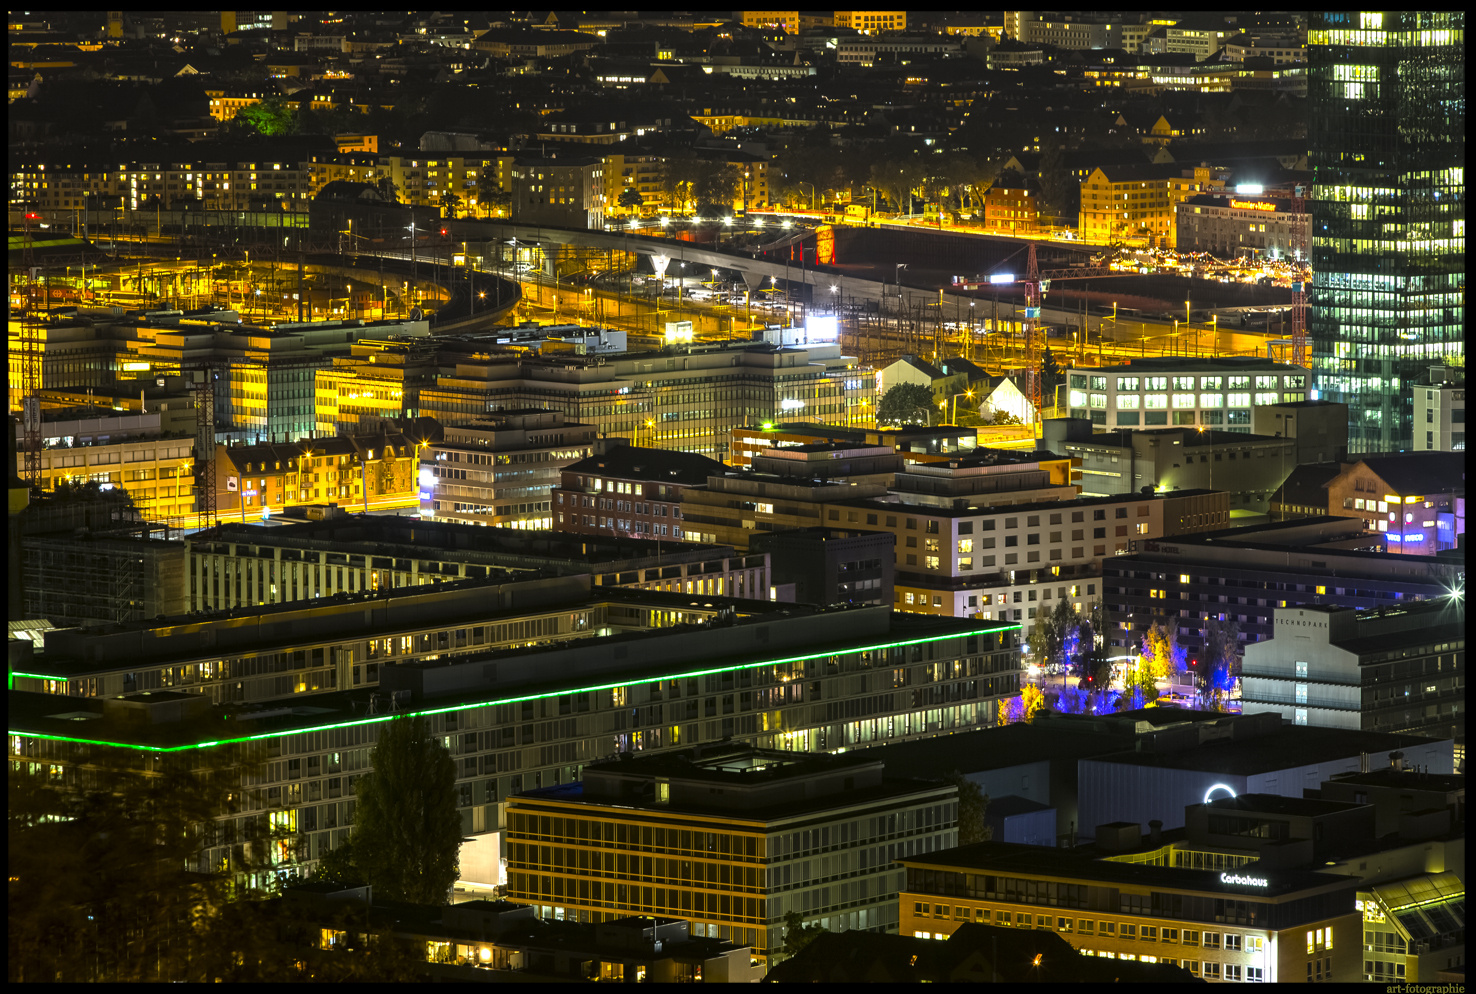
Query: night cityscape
{"points": [[737, 496]]}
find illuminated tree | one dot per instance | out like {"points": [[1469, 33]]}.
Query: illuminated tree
{"points": [[905, 403], [1023, 707]]}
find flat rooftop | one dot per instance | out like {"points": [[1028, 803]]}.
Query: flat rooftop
{"points": [[1290, 745], [82, 717], [1068, 865]]}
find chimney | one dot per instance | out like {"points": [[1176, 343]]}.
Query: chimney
{"points": [[1396, 760], [1155, 831]]}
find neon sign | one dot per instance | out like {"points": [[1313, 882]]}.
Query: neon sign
{"points": [[1253, 205], [1236, 878], [1218, 786]]}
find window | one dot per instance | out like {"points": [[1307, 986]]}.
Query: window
{"points": [[1232, 943]]}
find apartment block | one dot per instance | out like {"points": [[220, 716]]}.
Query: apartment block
{"points": [[1012, 561], [1440, 411], [1415, 501], [1246, 575], [499, 469], [647, 485], [1136, 203], [730, 838], [364, 471]]}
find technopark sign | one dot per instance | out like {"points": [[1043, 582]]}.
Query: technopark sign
{"points": [[1243, 881]]}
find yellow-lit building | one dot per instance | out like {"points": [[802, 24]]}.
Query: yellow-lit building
{"points": [[730, 838], [872, 21], [1135, 204], [352, 470], [123, 452], [1235, 923]]}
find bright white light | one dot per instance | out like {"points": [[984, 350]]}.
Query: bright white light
{"points": [[822, 328], [1002, 278], [791, 405], [427, 479], [1251, 188], [1218, 786]]}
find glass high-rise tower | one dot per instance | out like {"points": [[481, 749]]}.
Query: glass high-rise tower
{"points": [[1387, 148]]}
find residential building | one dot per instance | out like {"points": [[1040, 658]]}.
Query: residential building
{"points": [[1281, 49], [131, 452], [1235, 227], [1246, 575], [1319, 427], [1136, 203], [568, 191], [1247, 467], [499, 469], [871, 21], [1397, 669], [830, 567], [776, 677], [593, 491], [1304, 492], [235, 565], [911, 369], [1387, 151], [815, 834], [379, 378], [1004, 561], [1073, 31], [364, 471], [1011, 205], [865, 50], [1217, 926], [1440, 411], [1158, 392], [985, 477], [1416, 501]]}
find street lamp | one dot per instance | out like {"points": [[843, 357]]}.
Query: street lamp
{"points": [[967, 393]]}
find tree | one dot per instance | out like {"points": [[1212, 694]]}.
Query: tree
{"points": [[1219, 665], [388, 189], [1023, 707], [1056, 627], [491, 197], [407, 831], [450, 204], [339, 867], [1096, 668], [270, 117], [107, 874], [798, 935], [631, 200], [1050, 378], [973, 808], [905, 404]]}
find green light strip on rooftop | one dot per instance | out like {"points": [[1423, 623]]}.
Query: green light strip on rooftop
{"points": [[509, 700]]}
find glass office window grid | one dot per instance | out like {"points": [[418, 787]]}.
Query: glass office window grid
{"points": [[1387, 152], [1116, 401]]}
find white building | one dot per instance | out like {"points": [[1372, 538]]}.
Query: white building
{"points": [[1440, 411], [1161, 392], [1399, 670]]}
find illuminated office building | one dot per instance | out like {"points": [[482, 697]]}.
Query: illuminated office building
{"points": [[1387, 149], [730, 838]]}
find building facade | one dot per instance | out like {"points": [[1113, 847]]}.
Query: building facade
{"points": [[1150, 393], [729, 838], [1237, 226], [499, 469], [365, 471], [1241, 927], [593, 492], [1386, 142], [1399, 670], [801, 681], [1440, 411], [1247, 578]]}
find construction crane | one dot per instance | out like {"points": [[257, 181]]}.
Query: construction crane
{"points": [[1036, 283], [31, 360], [1299, 288]]}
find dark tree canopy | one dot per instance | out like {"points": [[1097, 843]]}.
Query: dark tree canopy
{"points": [[407, 830]]}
